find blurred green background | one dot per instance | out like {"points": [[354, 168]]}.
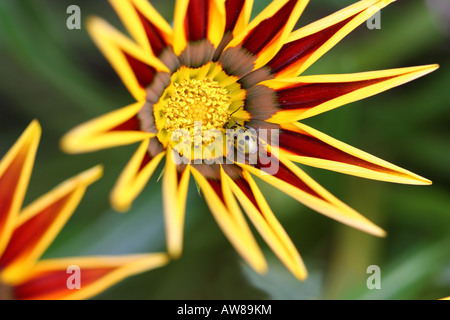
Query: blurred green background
{"points": [[58, 76]]}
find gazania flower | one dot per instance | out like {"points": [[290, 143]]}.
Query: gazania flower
{"points": [[26, 234], [216, 71]]}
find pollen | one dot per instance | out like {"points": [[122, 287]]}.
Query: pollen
{"points": [[198, 106]]}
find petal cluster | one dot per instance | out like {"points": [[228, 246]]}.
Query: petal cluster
{"points": [[26, 233]]}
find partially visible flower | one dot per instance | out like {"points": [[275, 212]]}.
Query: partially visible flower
{"points": [[220, 70], [26, 233]]}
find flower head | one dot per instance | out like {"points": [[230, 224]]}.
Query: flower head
{"points": [[219, 96], [26, 233]]}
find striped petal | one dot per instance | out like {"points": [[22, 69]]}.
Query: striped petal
{"points": [[134, 177], [289, 178], [226, 211], [15, 172], [306, 45], [51, 279], [39, 224], [117, 128], [137, 67], [262, 217], [306, 145], [150, 30], [199, 27], [175, 188], [288, 100], [237, 16], [262, 38], [145, 24]]}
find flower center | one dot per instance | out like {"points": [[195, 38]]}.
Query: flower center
{"points": [[197, 104], [195, 108]]}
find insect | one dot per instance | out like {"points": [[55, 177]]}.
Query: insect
{"points": [[242, 137]]}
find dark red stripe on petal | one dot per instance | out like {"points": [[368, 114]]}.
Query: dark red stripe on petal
{"points": [[53, 284], [246, 189], [27, 235], [145, 161], [196, 22], [132, 124], [8, 184], [282, 172], [302, 48], [262, 34], [233, 10], [154, 36], [154, 149], [143, 72], [303, 144], [180, 171], [309, 95], [217, 187], [235, 173]]}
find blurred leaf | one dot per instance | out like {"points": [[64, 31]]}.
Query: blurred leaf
{"points": [[279, 284], [35, 48], [407, 29], [409, 274], [425, 209], [119, 233]]}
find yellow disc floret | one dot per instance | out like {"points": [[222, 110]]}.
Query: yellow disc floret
{"points": [[197, 104], [193, 112]]}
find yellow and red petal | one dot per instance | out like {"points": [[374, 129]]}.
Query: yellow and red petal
{"points": [[51, 279], [196, 19], [175, 187], [262, 217], [220, 200], [262, 38], [293, 99], [237, 16], [15, 172], [237, 13], [116, 128], [306, 45], [39, 224], [137, 67], [289, 178], [198, 27], [303, 144], [150, 30], [134, 177]]}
